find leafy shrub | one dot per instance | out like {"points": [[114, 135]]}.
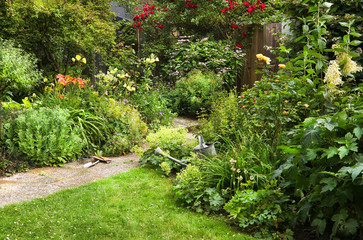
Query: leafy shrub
{"points": [[193, 191], [263, 210], [195, 93], [174, 142], [102, 119], [47, 136], [324, 171], [207, 55], [340, 11], [18, 72], [153, 107]]}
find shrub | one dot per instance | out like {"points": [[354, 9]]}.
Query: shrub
{"points": [[193, 191], [195, 93], [174, 142], [47, 136], [18, 72], [153, 107], [206, 55], [323, 170], [261, 211]]}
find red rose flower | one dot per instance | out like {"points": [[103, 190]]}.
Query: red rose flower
{"points": [[254, 6], [262, 6], [238, 45], [250, 10], [246, 4]]}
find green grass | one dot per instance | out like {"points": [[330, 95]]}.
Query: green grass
{"points": [[134, 205]]}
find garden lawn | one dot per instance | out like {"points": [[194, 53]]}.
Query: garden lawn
{"points": [[134, 205]]}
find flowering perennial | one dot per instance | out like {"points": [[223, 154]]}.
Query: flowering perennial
{"points": [[65, 80]]}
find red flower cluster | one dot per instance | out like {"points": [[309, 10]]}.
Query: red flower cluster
{"points": [[230, 6], [65, 80], [253, 7], [191, 5], [239, 45], [146, 11], [234, 26]]}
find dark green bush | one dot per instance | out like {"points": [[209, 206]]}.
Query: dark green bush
{"points": [[323, 171], [263, 211]]}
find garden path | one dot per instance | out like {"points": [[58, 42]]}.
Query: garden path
{"points": [[43, 181]]}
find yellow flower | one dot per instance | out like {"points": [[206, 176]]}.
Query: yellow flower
{"points": [[84, 60], [34, 95], [78, 57], [306, 105], [285, 112], [263, 58], [282, 66], [298, 102], [73, 59], [45, 80]]}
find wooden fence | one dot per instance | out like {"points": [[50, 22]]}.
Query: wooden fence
{"points": [[263, 36]]}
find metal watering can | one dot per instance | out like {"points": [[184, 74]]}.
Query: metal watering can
{"points": [[206, 149]]}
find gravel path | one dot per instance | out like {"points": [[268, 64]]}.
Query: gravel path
{"points": [[43, 181]]}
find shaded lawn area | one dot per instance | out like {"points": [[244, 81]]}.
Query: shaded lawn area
{"points": [[134, 205]]}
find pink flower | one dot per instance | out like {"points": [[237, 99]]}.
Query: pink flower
{"points": [[250, 10], [166, 9], [224, 10], [254, 99], [254, 6], [160, 26], [262, 6], [246, 4]]}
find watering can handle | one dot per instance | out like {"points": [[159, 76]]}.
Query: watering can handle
{"points": [[201, 141]]}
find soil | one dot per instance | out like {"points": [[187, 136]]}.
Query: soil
{"points": [[43, 181]]}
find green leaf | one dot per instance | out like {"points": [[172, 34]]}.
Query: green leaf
{"points": [[356, 171], [351, 226], [343, 151], [331, 183], [320, 224], [358, 132], [355, 43], [330, 152], [344, 24], [355, 34], [311, 135], [311, 154]]}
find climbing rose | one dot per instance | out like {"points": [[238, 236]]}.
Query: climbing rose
{"points": [[246, 4], [262, 6]]}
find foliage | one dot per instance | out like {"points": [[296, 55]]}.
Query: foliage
{"points": [[55, 31], [194, 93], [101, 118], [220, 57], [18, 72], [192, 191], [339, 11], [11, 161], [323, 169], [174, 142], [153, 107], [262, 211], [46, 136]]}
